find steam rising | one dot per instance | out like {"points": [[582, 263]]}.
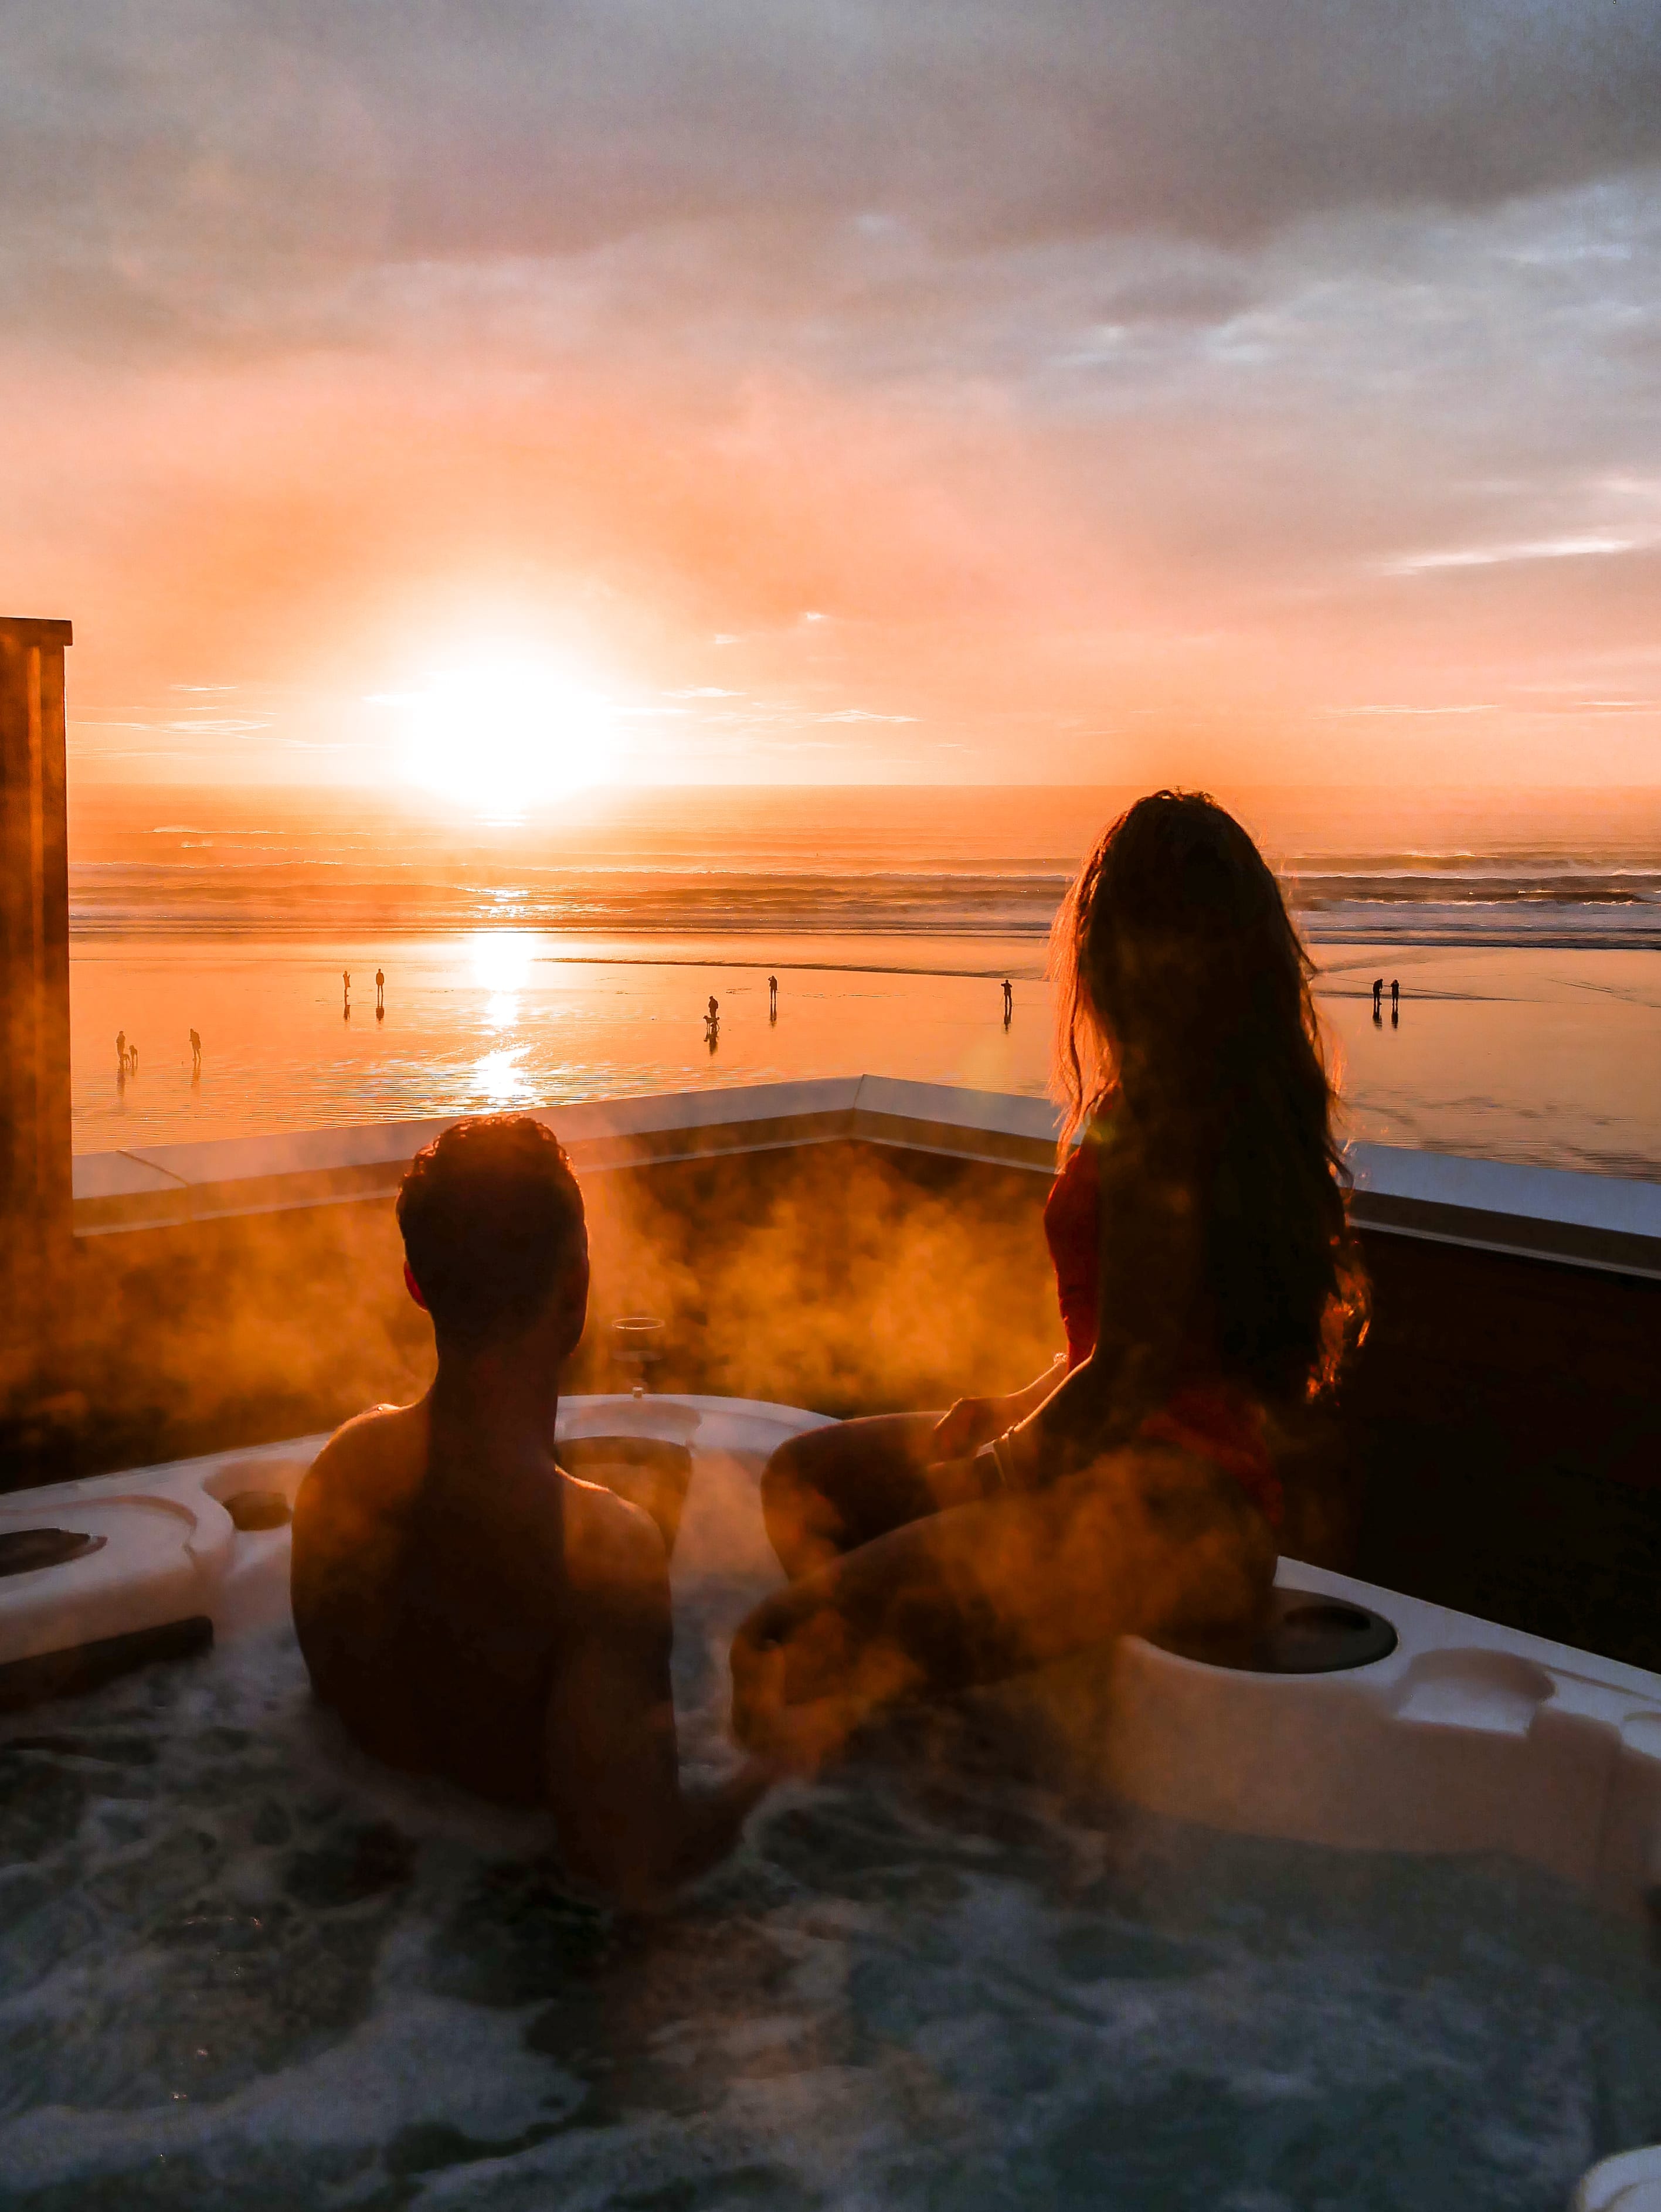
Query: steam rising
{"points": [[833, 1278], [843, 1278]]}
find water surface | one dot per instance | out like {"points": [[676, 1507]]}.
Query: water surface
{"points": [[239, 1969]]}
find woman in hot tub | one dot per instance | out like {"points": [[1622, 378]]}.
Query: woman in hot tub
{"points": [[1209, 1290]]}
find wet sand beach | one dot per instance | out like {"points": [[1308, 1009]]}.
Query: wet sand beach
{"points": [[1543, 1054], [571, 955]]}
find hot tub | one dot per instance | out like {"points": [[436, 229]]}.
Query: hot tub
{"points": [[1462, 1736], [1365, 1935]]}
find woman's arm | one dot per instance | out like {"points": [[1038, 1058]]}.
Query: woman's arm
{"points": [[1145, 1307], [973, 1422], [1030, 1450]]}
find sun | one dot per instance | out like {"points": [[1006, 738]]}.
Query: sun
{"points": [[501, 734]]}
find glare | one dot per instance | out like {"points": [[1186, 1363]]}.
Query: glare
{"points": [[499, 1080], [502, 959], [501, 734]]}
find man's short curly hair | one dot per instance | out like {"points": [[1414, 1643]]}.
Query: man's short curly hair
{"points": [[492, 1218]]}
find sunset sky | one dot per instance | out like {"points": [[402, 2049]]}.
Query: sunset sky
{"points": [[1052, 390]]}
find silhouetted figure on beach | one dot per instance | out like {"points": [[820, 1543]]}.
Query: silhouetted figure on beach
{"points": [[346, 986], [380, 990], [772, 997], [1009, 1001], [471, 1609], [121, 1051], [1394, 997], [132, 1059], [1377, 995], [196, 1054]]}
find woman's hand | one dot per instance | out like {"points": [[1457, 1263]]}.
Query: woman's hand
{"points": [[971, 1423]]}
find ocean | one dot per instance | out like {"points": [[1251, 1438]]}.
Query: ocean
{"points": [[572, 956]]}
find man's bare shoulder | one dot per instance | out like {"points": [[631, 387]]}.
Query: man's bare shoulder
{"points": [[350, 1507], [612, 1547], [382, 1450], [375, 1433]]}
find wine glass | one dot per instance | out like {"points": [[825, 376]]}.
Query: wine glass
{"points": [[637, 1344]]}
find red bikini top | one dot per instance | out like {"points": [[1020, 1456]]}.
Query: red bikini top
{"points": [[1072, 1228], [1216, 1419]]}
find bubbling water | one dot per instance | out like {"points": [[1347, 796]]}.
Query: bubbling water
{"points": [[241, 1967]]}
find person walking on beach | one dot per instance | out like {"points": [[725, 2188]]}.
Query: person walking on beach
{"points": [[196, 1054], [1395, 999], [772, 997], [1009, 1001], [346, 985], [714, 1014], [121, 1050], [381, 991], [1377, 995]]}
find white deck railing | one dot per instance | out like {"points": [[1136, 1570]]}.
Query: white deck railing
{"points": [[1589, 1220]]}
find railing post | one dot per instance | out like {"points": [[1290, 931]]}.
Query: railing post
{"points": [[35, 1220]]}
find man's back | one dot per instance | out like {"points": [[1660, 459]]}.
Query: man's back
{"points": [[436, 1596], [469, 1609]]}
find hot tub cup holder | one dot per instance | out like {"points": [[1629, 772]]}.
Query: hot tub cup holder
{"points": [[1305, 1632], [253, 1509], [25, 1551], [1628, 2182]]}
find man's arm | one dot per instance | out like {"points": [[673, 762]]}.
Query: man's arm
{"points": [[346, 1519], [613, 1778]]}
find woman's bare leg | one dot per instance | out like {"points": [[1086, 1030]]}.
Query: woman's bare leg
{"points": [[1150, 1539], [827, 1492]]}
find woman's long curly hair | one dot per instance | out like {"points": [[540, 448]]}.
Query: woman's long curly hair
{"points": [[1187, 1032]]}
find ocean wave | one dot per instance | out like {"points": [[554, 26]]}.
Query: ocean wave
{"points": [[258, 897]]}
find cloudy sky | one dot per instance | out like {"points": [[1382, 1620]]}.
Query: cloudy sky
{"points": [[1084, 390]]}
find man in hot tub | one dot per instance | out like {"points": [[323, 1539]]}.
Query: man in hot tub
{"points": [[469, 1609]]}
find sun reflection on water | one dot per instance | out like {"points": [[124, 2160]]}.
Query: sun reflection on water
{"points": [[499, 1078], [502, 959]]}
